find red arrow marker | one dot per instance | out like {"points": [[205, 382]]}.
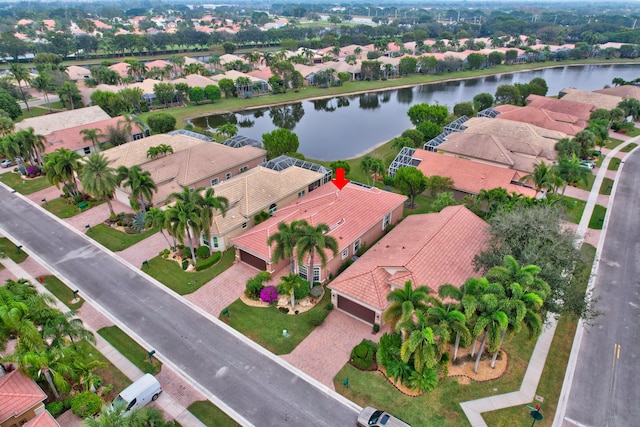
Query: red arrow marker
{"points": [[340, 180]]}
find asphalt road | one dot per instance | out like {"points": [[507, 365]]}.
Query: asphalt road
{"points": [[262, 390], [606, 384]]}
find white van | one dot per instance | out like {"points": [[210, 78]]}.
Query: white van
{"points": [[140, 393]]}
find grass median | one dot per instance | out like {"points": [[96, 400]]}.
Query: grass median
{"points": [[11, 251], [597, 218], [62, 292], [130, 349], [210, 414]]}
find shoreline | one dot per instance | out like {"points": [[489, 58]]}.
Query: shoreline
{"points": [[399, 86]]}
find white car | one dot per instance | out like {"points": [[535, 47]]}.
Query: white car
{"points": [[6, 163], [372, 417], [587, 164]]}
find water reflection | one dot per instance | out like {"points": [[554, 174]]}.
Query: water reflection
{"points": [[287, 117], [347, 126]]}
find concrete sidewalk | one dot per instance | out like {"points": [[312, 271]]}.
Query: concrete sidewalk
{"points": [[165, 402], [473, 409]]}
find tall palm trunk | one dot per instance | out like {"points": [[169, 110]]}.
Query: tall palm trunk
{"points": [[111, 211], [455, 348], [293, 297], [484, 340], [47, 375], [193, 252], [473, 349], [495, 355], [310, 272]]}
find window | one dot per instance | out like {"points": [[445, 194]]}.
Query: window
{"points": [[215, 242], [214, 181], [386, 221], [243, 169], [273, 208], [345, 253], [301, 193], [302, 272], [191, 190], [356, 246], [316, 274], [137, 136], [228, 176], [244, 225], [87, 150]]}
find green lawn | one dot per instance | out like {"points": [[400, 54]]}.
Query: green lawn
{"points": [[607, 185], [629, 147], [613, 143], [210, 414], [116, 240], [63, 208], [552, 377], [24, 185], [170, 273], [440, 407], [36, 111], [574, 208], [264, 325], [11, 250], [130, 349], [597, 218], [614, 164], [109, 373], [590, 179], [423, 205], [62, 292]]}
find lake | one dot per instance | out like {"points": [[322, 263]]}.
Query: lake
{"points": [[349, 126]]}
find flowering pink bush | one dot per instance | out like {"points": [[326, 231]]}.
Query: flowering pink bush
{"points": [[269, 294]]}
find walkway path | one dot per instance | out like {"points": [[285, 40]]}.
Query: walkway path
{"points": [[176, 396], [473, 409]]}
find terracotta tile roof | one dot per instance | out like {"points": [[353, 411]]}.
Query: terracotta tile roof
{"points": [[72, 139], [44, 419], [262, 74], [349, 212], [122, 68], [428, 249], [135, 152], [577, 109], [469, 176], [503, 143], [546, 119], [18, 394], [44, 125], [194, 80], [146, 85], [625, 91], [601, 100], [157, 63], [255, 190], [194, 164], [77, 73]]}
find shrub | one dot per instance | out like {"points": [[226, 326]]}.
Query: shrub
{"points": [[161, 122], [376, 328], [330, 306], [255, 284], [316, 317], [186, 252], [86, 404], [203, 252], [206, 263], [316, 291], [300, 292], [185, 264], [269, 294], [345, 265], [55, 408], [33, 171], [261, 217], [362, 355], [387, 180], [164, 253], [284, 310]]}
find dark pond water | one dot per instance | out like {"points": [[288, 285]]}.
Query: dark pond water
{"points": [[348, 126]]}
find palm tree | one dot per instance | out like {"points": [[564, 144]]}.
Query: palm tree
{"points": [[61, 167], [7, 126], [542, 177], [365, 165], [55, 364], [208, 203], [447, 316], [140, 183], [186, 214], [227, 129], [285, 240], [14, 316], [31, 144], [571, 171], [99, 179], [421, 344], [93, 135], [156, 218], [21, 75], [43, 82], [86, 373], [62, 326], [117, 415], [404, 302], [492, 321], [290, 283], [312, 240]]}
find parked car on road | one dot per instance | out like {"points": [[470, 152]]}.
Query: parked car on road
{"points": [[6, 163], [372, 417]]}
